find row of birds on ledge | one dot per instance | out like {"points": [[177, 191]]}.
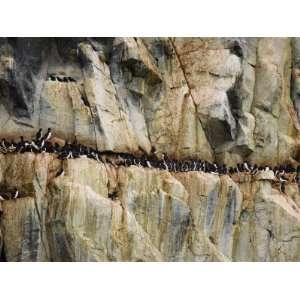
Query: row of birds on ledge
{"points": [[61, 78], [42, 144]]}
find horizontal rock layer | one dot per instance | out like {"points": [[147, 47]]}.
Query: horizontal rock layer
{"points": [[95, 212]]}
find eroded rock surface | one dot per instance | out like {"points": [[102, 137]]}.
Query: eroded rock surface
{"points": [[219, 99], [154, 215]]}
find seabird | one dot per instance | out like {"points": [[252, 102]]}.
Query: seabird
{"points": [[281, 173], [96, 155], [41, 143], [137, 162], [25, 143], [282, 181], [34, 145], [48, 135], [16, 194], [246, 166], [70, 154], [38, 136], [83, 152], [3, 150], [4, 144], [254, 170], [23, 146], [165, 165], [12, 147]]}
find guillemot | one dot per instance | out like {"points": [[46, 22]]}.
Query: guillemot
{"points": [[39, 135], [12, 147], [246, 167], [48, 135], [282, 181], [15, 194]]}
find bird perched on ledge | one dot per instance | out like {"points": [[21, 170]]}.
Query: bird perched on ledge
{"points": [[42, 144], [48, 135], [282, 181], [39, 135], [15, 194]]}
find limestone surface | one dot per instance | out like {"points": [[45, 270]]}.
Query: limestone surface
{"points": [[225, 100]]}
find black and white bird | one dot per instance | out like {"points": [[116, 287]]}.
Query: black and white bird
{"points": [[12, 147], [69, 155], [246, 167], [281, 173], [165, 166], [4, 143], [48, 135], [41, 143], [254, 170], [282, 181], [148, 164], [15, 194], [34, 146], [3, 146], [39, 135], [214, 169]]}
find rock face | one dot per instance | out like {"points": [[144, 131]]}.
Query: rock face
{"points": [[218, 99]]}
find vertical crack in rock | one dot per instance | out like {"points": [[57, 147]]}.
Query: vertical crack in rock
{"points": [[186, 80]]}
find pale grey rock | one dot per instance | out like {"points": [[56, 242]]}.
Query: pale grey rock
{"points": [[246, 126]]}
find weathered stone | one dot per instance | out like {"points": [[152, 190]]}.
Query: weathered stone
{"points": [[217, 99], [156, 216], [265, 175], [269, 230]]}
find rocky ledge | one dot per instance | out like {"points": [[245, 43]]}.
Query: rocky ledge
{"points": [[96, 212], [223, 100]]}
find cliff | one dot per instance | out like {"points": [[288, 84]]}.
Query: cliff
{"points": [[220, 99]]}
